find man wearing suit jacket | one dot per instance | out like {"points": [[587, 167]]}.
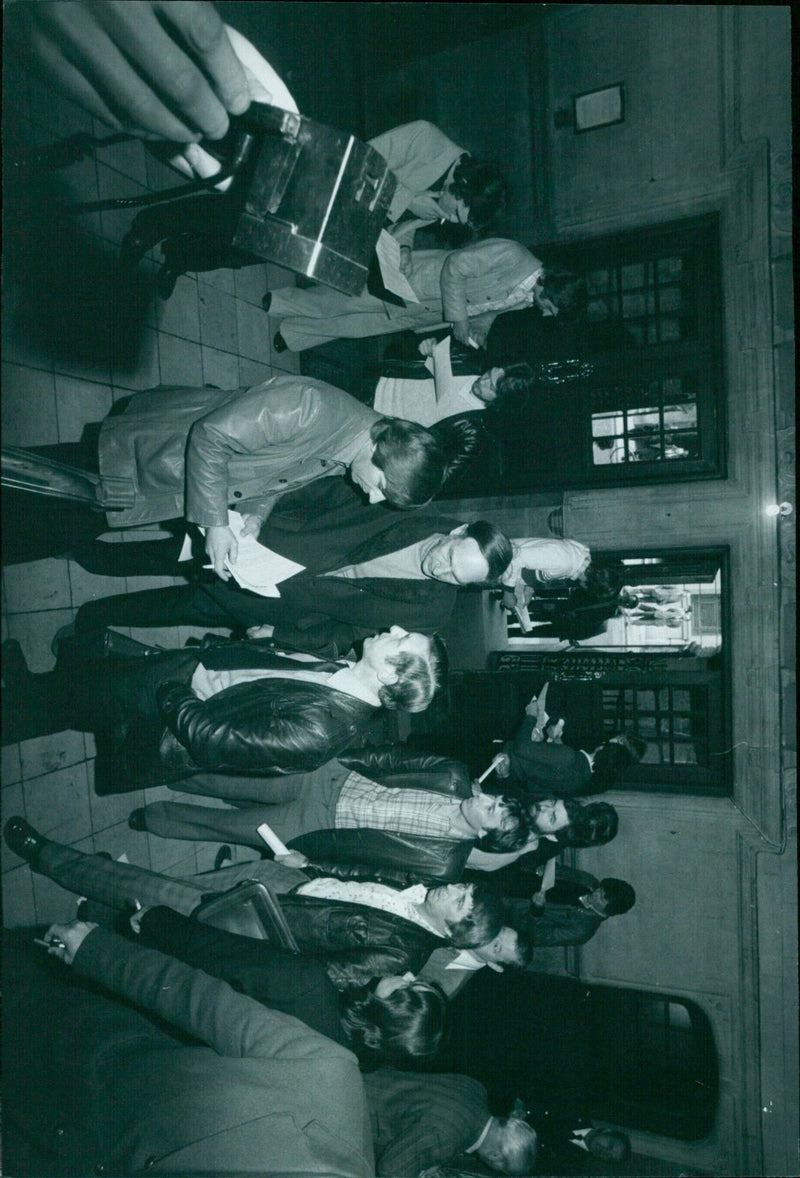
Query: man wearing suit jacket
{"points": [[422, 1120], [572, 910], [98, 1086], [365, 568], [234, 707], [328, 909], [465, 287]]}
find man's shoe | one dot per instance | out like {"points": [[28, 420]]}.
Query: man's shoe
{"points": [[266, 301], [23, 839], [137, 819], [279, 343], [67, 631]]}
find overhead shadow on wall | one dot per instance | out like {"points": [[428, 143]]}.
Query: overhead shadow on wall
{"points": [[69, 299]]}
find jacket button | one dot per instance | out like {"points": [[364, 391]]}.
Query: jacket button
{"points": [[323, 462], [60, 1131], [283, 480], [237, 494], [100, 1168], [151, 1161]]}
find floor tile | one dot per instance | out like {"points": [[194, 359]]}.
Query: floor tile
{"points": [[252, 373], [35, 632], [250, 283], [37, 585], [178, 315], [79, 402], [220, 279], [220, 368], [48, 754], [113, 809], [253, 332], [28, 407], [180, 361], [138, 369], [90, 587], [57, 804], [217, 318]]}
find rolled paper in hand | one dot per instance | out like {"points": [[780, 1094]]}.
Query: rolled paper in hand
{"points": [[271, 839], [493, 765]]}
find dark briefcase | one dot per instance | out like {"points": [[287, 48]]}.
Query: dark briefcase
{"points": [[251, 910], [317, 199]]}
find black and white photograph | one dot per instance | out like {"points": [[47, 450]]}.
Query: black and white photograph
{"points": [[398, 590]]}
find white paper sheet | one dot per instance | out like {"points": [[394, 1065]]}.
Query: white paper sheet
{"points": [[256, 567], [388, 251]]}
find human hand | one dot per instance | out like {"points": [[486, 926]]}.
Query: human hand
{"points": [[67, 939], [265, 631], [426, 206], [538, 899], [221, 542], [553, 731], [292, 859], [405, 259], [156, 69], [252, 524], [426, 346], [503, 766]]}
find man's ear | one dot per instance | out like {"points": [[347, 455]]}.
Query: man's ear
{"points": [[518, 1110], [387, 674], [460, 530]]}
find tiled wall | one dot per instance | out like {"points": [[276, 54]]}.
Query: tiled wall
{"points": [[77, 336]]}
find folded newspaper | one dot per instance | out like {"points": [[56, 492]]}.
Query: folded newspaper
{"points": [[256, 567]]}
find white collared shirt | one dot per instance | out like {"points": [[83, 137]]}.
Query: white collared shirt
{"points": [[206, 683], [374, 895]]}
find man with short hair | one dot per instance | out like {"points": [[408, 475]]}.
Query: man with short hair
{"points": [[195, 453], [352, 911], [453, 968], [571, 912], [420, 1120], [364, 567], [235, 707], [343, 795]]}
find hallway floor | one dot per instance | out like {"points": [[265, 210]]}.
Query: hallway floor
{"points": [[76, 338]]}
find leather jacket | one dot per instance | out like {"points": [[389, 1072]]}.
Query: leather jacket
{"points": [[398, 858], [240, 448]]}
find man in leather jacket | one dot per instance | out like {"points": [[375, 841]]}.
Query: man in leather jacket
{"points": [[395, 790], [341, 911], [233, 707]]}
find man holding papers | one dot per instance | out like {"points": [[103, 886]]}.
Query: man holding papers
{"points": [[363, 568], [195, 453]]}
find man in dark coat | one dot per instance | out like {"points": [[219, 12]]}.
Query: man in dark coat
{"points": [[234, 707], [570, 912], [94, 1085], [365, 568], [327, 909], [422, 1120]]}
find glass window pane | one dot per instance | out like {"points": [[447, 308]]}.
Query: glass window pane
{"points": [[633, 276], [669, 269], [601, 281], [669, 298], [670, 329], [598, 310], [636, 305]]}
